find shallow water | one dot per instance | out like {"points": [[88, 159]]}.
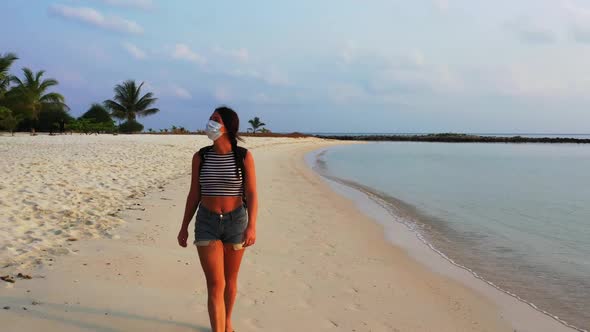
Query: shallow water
{"points": [[516, 214]]}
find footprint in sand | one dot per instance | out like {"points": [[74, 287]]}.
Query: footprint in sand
{"points": [[354, 307]]}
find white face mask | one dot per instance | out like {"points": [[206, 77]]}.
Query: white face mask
{"points": [[213, 130]]}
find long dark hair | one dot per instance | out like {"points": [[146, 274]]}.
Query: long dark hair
{"points": [[231, 121]]}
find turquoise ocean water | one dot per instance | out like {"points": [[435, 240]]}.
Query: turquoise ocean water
{"points": [[518, 215]]}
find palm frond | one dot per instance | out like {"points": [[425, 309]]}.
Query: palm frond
{"points": [[117, 110], [137, 91], [16, 81], [4, 83], [38, 76], [29, 77], [47, 84], [147, 112], [6, 61], [55, 99], [146, 101]]}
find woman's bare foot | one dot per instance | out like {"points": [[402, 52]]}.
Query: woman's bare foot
{"points": [[228, 327]]}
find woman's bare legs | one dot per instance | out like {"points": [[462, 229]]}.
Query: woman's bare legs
{"points": [[211, 257], [232, 260], [221, 264]]}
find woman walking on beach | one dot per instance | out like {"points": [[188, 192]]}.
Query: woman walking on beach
{"points": [[223, 187]]}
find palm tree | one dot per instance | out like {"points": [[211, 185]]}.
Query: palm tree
{"points": [[31, 97], [128, 105], [255, 123], [6, 61]]}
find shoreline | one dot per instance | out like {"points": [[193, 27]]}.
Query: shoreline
{"points": [[369, 201], [458, 138]]}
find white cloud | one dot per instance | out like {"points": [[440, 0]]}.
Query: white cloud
{"points": [[183, 52], [181, 92], [69, 77], [276, 77], [349, 52], [581, 34], [411, 60], [441, 5], [261, 98], [167, 90], [536, 80], [392, 79], [353, 55], [95, 18], [147, 86], [429, 78], [139, 4], [345, 93], [134, 51], [271, 76], [529, 31], [580, 21], [222, 94], [350, 93], [240, 55]]}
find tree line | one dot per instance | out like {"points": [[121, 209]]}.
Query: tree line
{"points": [[27, 105]]}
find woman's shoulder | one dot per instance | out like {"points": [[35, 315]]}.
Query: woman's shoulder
{"points": [[205, 149]]}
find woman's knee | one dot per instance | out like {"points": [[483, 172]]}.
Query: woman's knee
{"points": [[216, 286], [231, 283]]}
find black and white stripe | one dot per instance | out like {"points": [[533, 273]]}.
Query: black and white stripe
{"points": [[218, 175]]}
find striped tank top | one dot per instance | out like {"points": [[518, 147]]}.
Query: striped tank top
{"points": [[218, 175]]}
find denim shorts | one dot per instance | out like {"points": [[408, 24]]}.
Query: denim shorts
{"points": [[228, 227]]}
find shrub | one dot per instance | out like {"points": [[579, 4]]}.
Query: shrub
{"points": [[130, 126]]}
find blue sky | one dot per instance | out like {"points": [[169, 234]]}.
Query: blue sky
{"points": [[323, 65]]}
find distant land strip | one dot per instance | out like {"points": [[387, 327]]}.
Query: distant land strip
{"points": [[457, 138]]}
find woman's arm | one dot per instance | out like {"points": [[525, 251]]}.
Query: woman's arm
{"points": [[194, 194], [251, 199]]}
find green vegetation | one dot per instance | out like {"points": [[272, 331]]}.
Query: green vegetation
{"points": [[27, 104], [29, 97], [255, 124], [97, 114], [130, 126], [128, 105], [179, 130], [87, 126], [6, 61], [8, 120], [96, 120]]}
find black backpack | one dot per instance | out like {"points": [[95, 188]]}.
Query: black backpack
{"points": [[241, 155]]}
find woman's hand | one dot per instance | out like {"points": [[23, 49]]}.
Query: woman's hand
{"points": [[249, 236], [182, 237]]}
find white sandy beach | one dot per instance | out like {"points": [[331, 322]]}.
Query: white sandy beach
{"points": [[94, 219]]}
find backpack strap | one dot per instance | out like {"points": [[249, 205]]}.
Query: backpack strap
{"points": [[241, 156]]}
